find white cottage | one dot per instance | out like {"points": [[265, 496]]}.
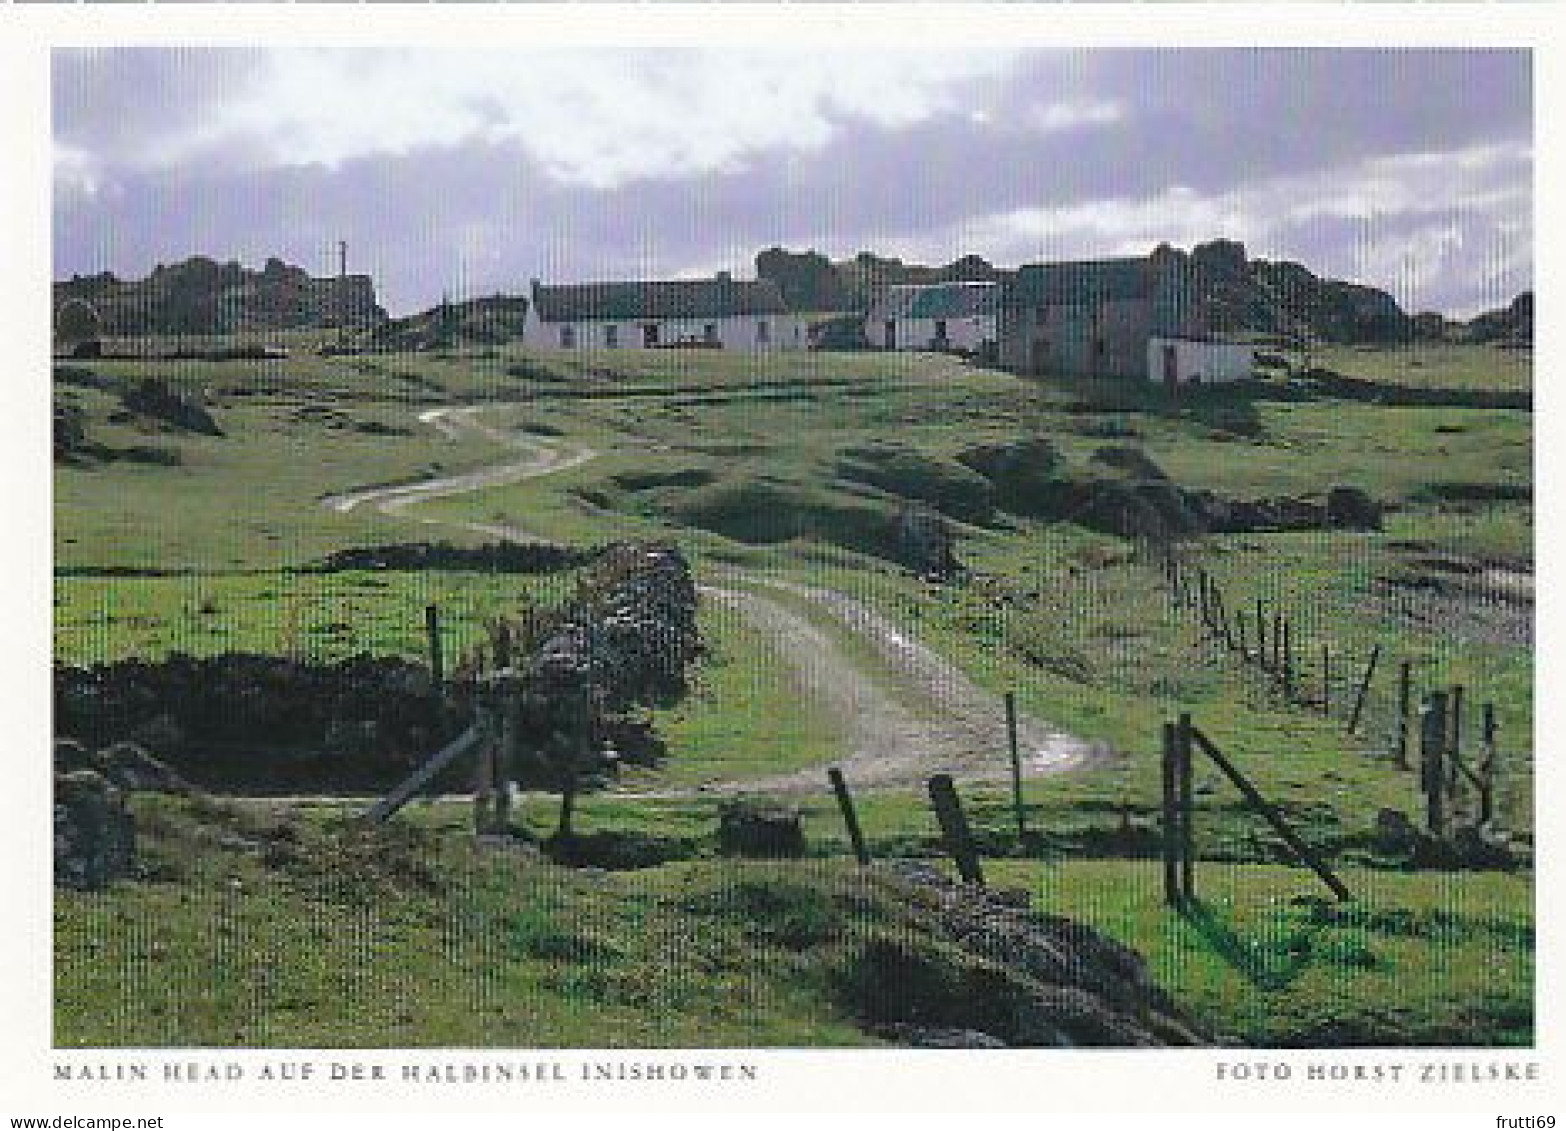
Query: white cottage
{"points": [[1175, 361], [719, 313], [957, 317]]}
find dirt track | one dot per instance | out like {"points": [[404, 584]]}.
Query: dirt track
{"points": [[903, 716], [923, 715], [460, 423]]}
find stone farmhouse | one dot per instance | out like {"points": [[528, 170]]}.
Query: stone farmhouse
{"points": [[955, 317], [1138, 317], [718, 313]]}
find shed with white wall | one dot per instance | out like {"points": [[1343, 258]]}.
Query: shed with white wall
{"points": [[956, 317], [1185, 361]]}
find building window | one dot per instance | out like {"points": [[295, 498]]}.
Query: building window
{"points": [[709, 333], [649, 335], [763, 332], [612, 337], [568, 337]]}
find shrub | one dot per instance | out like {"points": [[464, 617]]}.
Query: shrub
{"points": [[1022, 473], [761, 511], [946, 485]]}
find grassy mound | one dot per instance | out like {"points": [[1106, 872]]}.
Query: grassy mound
{"points": [[946, 485], [761, 510], [693, 954]]}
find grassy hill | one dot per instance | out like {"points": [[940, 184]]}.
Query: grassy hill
{"points": [[796, 468], [300, 931]]}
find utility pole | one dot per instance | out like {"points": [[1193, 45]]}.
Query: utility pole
{"points": [[342, 294]]}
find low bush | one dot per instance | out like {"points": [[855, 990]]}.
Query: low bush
{"points": [[946, 485]]}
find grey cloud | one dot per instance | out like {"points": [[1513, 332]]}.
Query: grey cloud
{"points": [[116, 100], [484, 216]]}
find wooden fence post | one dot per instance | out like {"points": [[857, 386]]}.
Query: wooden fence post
{"points": [[1016, 767], [1271, 815], [1326, 679], [507, 751], [1432, 748], [1171, 822], [397, 798], [1364, 689], [1187, 806], [1278, 624], [1288, 659], [1454, 742], [845, 803], [1223, 623], [1239, 627], [500, 645], [1405, 690], [1261, 635], [432, 633], [954, 827], [485, 772]]}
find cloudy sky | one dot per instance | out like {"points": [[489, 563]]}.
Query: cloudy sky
{"points": [[470, 172]]}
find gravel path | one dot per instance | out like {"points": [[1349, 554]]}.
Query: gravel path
{"points": [[543, 458], [923, 716]]}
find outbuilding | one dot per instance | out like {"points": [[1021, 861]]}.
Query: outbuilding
{"points": [[1173, 361], [718, 313], [1095, 318], [943, 317]]}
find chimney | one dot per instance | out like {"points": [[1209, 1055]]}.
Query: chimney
{"points": [[725, 277]]}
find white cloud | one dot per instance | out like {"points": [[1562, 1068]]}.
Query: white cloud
{"points": [[76, 170], [1058, 116], [597, 118], [1492, 180]]}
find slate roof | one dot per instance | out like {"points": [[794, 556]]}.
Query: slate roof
{"points": [[693, 298], [936, 300], [1050, 284]]}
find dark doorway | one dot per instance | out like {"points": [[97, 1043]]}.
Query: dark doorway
{"points": [[1039, 362], [1171, 366], [891, 334]]}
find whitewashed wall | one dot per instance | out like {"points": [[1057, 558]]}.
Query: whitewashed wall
{"points": [[918, 333], [1204, 362], [740, 332]]}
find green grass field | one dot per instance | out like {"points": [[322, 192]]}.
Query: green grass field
{"points": [[758, 465], [334, 938]]}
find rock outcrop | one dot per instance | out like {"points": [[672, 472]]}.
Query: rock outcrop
{"points": [[257, 722], [202, 296], [480, 321], [757, 828], [94, 835], [1009, 977], [152, 399], [1511, 326], [1238, 293]]}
